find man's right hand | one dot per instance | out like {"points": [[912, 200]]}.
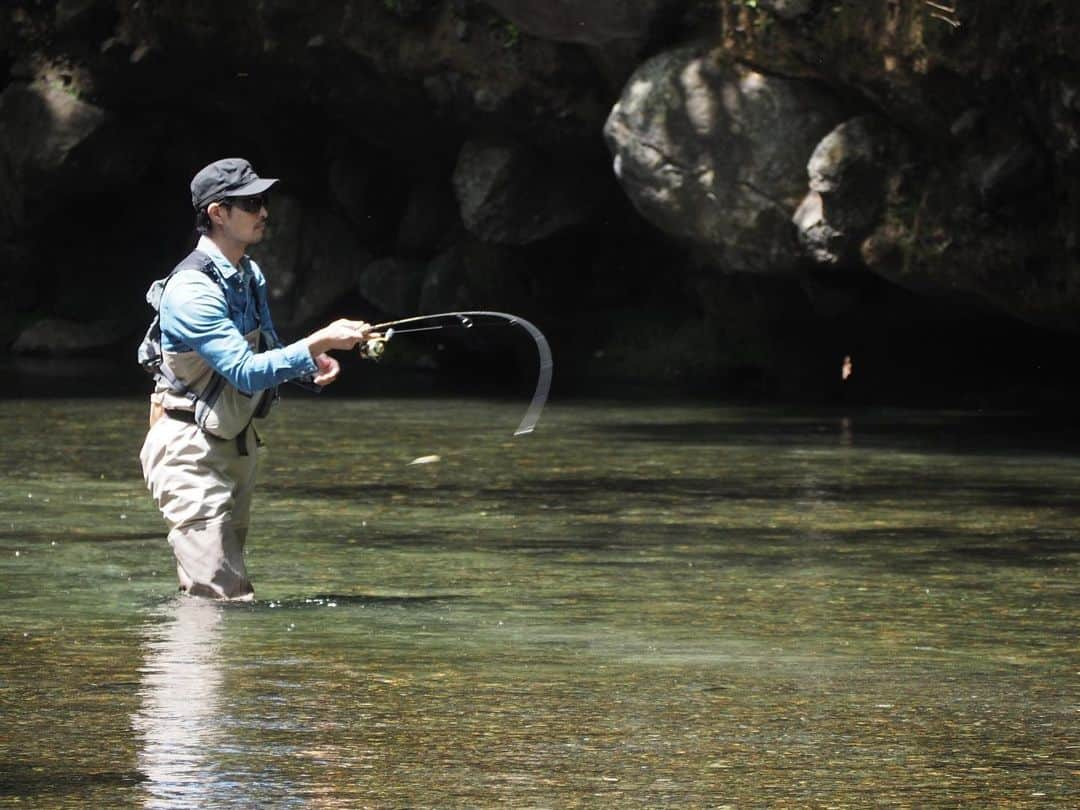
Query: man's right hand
{"points": [[340, 334]]}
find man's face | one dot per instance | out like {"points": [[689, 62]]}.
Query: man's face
{"points": [[241, 219]]}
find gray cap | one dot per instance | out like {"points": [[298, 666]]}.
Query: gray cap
{"points": [[228, 177]]}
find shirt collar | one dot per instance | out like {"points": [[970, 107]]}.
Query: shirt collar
{"points": [[224, 266]]}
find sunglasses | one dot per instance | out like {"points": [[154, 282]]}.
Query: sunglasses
{"points": [[252, 205]]}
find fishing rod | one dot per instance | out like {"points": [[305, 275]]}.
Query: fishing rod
{"points": [[373, 348]]}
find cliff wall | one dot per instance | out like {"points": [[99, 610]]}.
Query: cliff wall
{"points": [[728, 195]]}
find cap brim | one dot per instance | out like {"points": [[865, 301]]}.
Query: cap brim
{"points": [[253, 188]]}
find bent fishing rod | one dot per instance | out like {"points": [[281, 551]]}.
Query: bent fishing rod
{"points": [[373, 348]]}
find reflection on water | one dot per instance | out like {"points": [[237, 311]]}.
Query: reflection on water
{"points": [[633, 607], [179, 717]]}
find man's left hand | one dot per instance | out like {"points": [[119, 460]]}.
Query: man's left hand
{"points": [[329, 368]]}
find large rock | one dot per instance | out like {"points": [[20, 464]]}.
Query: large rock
{"points": [[508, 195], [934, 239], [331, 260], [60, 148], [279, 253], [715, 153], [311, 258], [41, 125], [443, 288], [462, 68], [480, 275], [848, 172], [392, 285], [57, 336]]}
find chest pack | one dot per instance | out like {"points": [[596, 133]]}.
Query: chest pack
{"points": [[218, 408], [150, 354]]}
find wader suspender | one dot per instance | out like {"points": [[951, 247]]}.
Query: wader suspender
{"points": [[151, 354]]}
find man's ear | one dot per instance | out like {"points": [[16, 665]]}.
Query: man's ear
{"points": [[216, 212]]}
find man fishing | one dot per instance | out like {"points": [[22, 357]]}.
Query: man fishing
{"points": [[217, 362]]}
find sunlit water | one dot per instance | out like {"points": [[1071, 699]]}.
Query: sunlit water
{"points": [[633, 607]]}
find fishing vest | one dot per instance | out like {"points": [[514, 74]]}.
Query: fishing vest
{"points": [[184, 381]]}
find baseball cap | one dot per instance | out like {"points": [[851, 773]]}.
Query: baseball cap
{"points": [[228, 177]]}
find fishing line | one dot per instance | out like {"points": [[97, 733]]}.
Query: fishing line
{"points": [[373, 348]]}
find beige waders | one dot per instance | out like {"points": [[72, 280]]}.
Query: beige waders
{"points": [[203, 487], [199, 461]]}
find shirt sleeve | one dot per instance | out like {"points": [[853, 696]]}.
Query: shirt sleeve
{"points": [[195, 316]]}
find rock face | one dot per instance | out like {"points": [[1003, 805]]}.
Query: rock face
{"points": [[392, 285], [55, 336], [788, 9], [715, 153], [848, 171], [41, 128], [593, 23], [507, 195], [747, 175]]}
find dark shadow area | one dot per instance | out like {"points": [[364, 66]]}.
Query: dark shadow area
{"points": [[34, 536], [1035, 552], [40, 786], [565, 492], [926, 431]]}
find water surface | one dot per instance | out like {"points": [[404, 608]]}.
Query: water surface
{"points": [[636, 606]]}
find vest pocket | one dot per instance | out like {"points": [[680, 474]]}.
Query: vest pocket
{"points": [[224, 411]]}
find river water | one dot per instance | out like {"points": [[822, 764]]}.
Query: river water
{"points": [[635, 606]]}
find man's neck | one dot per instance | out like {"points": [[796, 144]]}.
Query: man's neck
{"points": [[233, 251]]}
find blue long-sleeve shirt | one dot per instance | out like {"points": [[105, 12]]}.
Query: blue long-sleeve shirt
{"points": [[196, 317]]}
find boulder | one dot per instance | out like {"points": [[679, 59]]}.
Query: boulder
{"points": [[279, 253], [508, 194], [311, 258], [847, 175], [60, 148], [392, 285], [443, 288], [479, 275], [41, 125], [716, 154], [56, 336], [331, 259]]}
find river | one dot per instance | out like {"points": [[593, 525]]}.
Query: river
{"points": [[638, 605]]}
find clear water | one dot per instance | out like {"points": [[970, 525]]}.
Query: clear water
{"points": [[636, 606]]}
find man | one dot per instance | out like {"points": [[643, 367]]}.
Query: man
{"points": [[217, 367]]}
